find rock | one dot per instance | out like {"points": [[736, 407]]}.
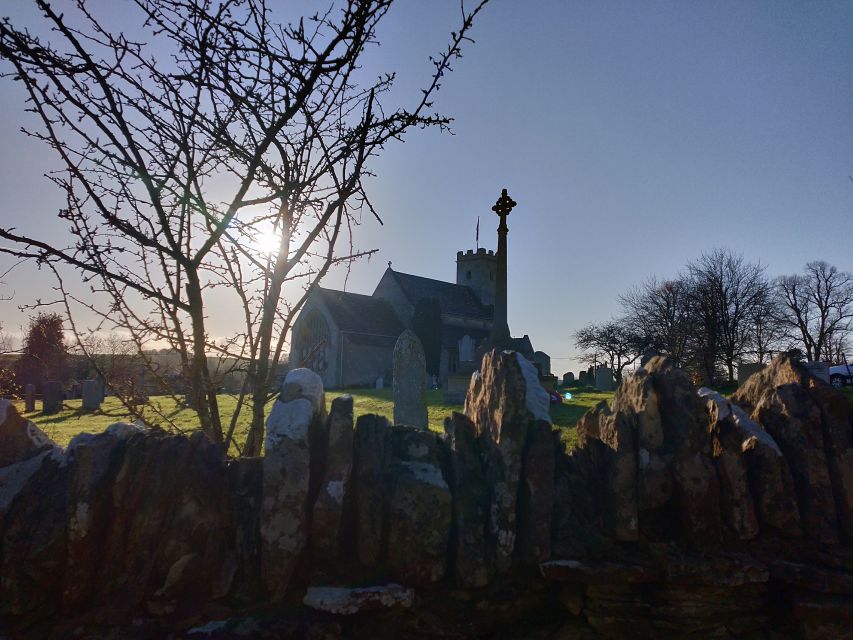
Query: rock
{"points": [[770, 481], [419, 507], [837, 418], [334, 484], [299, 410], [34, 541], [346, 601], [598, 572], [169, 546], [658, 459], [470, 504], [736, 504], [536, 497], [371, 435], [812, 578], [94, 462], [410, 406], [20, 439], [779, 398], [245, 489], [504, 398]]}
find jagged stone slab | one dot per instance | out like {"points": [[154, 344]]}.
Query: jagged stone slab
{"points": [[593, 572], [504, 399], [780, 399], [470, 503], [419, 507], [349, 601], [369, 471], [333, 486]]}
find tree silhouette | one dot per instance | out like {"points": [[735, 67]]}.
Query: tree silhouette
{"points": [[214, 153]]}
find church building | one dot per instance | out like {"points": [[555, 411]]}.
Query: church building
{"points": [[348, 338]]}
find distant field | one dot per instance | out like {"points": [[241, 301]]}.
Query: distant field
{"points": [[72, 419]]}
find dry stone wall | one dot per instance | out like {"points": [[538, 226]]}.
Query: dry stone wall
{"points": [[680, 513]]}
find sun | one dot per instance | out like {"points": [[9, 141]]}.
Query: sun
{"points": [[267, 243]]}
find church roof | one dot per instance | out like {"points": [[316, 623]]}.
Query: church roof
{"points": [[356, 313], [455, 299]]}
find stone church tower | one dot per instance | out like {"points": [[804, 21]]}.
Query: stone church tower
{"points": [[478, 271]]}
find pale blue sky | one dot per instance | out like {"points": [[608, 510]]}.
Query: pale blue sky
{"points": [[632, 135]]}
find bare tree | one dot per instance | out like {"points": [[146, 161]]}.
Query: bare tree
{"points": [[817, 308], [613, 342], [725, 291], [224, 154], [658, 314], [767, 332]]}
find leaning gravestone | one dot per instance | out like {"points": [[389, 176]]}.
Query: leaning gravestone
{"points": [[410, 381], [51, 397], [90, 392], [29, 398]]}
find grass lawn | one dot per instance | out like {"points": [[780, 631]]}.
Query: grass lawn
{"points": [[63, 426]]}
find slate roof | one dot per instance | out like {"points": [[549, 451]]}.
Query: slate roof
{"points": [[356, 313], [455, 299]]}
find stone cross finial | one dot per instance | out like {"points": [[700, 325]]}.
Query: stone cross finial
{"points": [[504, 205]]}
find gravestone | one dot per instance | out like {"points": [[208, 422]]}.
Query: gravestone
{"points": [[604, 379], [410, 381], [51, 392], [380, 382], [29, 398], [90, 392], [583, 378], [568, 378], [457, 388]]}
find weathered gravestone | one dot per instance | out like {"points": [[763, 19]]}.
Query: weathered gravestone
{"points": [[604, 379], [568, 378], [29, 398], [90, 392], [410, 381], [51, 392]]}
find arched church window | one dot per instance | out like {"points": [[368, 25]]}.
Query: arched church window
{"points": [[313, 341]]}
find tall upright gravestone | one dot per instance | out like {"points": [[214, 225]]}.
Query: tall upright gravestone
{"points": [[51, 397], [410, 381], [29, 398], [90, 392]]}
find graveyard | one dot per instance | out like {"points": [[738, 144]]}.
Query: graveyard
{"points": [[62, 426]]}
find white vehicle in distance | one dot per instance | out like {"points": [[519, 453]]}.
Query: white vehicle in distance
{"points": [[840, 375]]}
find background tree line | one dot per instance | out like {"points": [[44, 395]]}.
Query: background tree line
{"points": [[721, 310]]}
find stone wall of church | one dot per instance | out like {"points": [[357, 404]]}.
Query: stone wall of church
{"points": [[363, 363], [389, 290]]}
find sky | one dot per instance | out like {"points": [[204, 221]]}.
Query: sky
{"points": [[633, 136]]}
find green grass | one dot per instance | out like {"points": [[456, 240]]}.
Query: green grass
{"points": [[63, 426]]}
